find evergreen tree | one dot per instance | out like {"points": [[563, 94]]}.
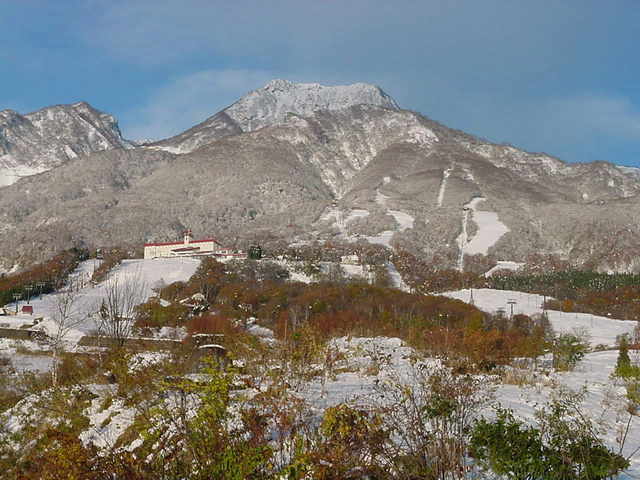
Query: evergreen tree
{"points": [[623, 364]]}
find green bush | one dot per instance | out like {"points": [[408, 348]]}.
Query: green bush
{"points": [[562, 447], [568, 349]]}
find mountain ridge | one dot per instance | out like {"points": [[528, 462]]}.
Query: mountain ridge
{"points": [[270, 104], [362, 172], [48, 137]]}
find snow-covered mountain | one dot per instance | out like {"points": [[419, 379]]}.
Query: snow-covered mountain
{"points": [[49, 137], [302, 162], [271, 105]]}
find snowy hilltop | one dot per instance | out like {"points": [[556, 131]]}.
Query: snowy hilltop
{"points": [[47, 138], [271, 104]]}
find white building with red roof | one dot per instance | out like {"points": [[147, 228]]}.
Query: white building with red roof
{"points": [[191, 248]]}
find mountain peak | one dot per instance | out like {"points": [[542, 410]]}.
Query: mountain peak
{"points": [[270, 104], [278, 84], [48, 137]]}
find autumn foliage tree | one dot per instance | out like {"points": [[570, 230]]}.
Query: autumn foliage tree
{"points": [[51, 275]]}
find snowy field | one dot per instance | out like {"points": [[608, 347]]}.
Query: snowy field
{"points": [[150, 273], [369, 362], [364, 364], [602, 330], [24, 362], [359, 376], [604, 402]]}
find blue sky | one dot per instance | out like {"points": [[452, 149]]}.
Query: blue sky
{"points": [[557, 76]]}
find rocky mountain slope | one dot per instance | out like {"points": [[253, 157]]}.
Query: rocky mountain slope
{"points": [[49, 137], [306, 162], [272, 104]]}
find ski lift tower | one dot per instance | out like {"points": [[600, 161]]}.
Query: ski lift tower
{"points": [[29, 289], [511, 302], [40, 286], [16, 298]]}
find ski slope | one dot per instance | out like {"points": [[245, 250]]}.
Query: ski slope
{"points": [[150, 274], [490, 230], [602, 330]]}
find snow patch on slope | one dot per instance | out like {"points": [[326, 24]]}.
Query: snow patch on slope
{"points": [[175, 150], [396, 278], [147, 272], [490, 230], [404, 220], [504, 265], [602, 330], [10, 175], [106, 425], [443, 185]]}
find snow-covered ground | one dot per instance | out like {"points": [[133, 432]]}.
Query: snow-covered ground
{"points": [[149, 273], [175, 150], [504, 265], [396, 278], [106, 425], [490, 230], [443, 185], [355, 371], [356, 213], [354, 271], [24, 362], [604, 401], [11, 174], [341, 220], [403, 220], [602, 330], [367, 362]]}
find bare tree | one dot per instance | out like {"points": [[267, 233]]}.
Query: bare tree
{"points": [[117, 310], [66, 317]]}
